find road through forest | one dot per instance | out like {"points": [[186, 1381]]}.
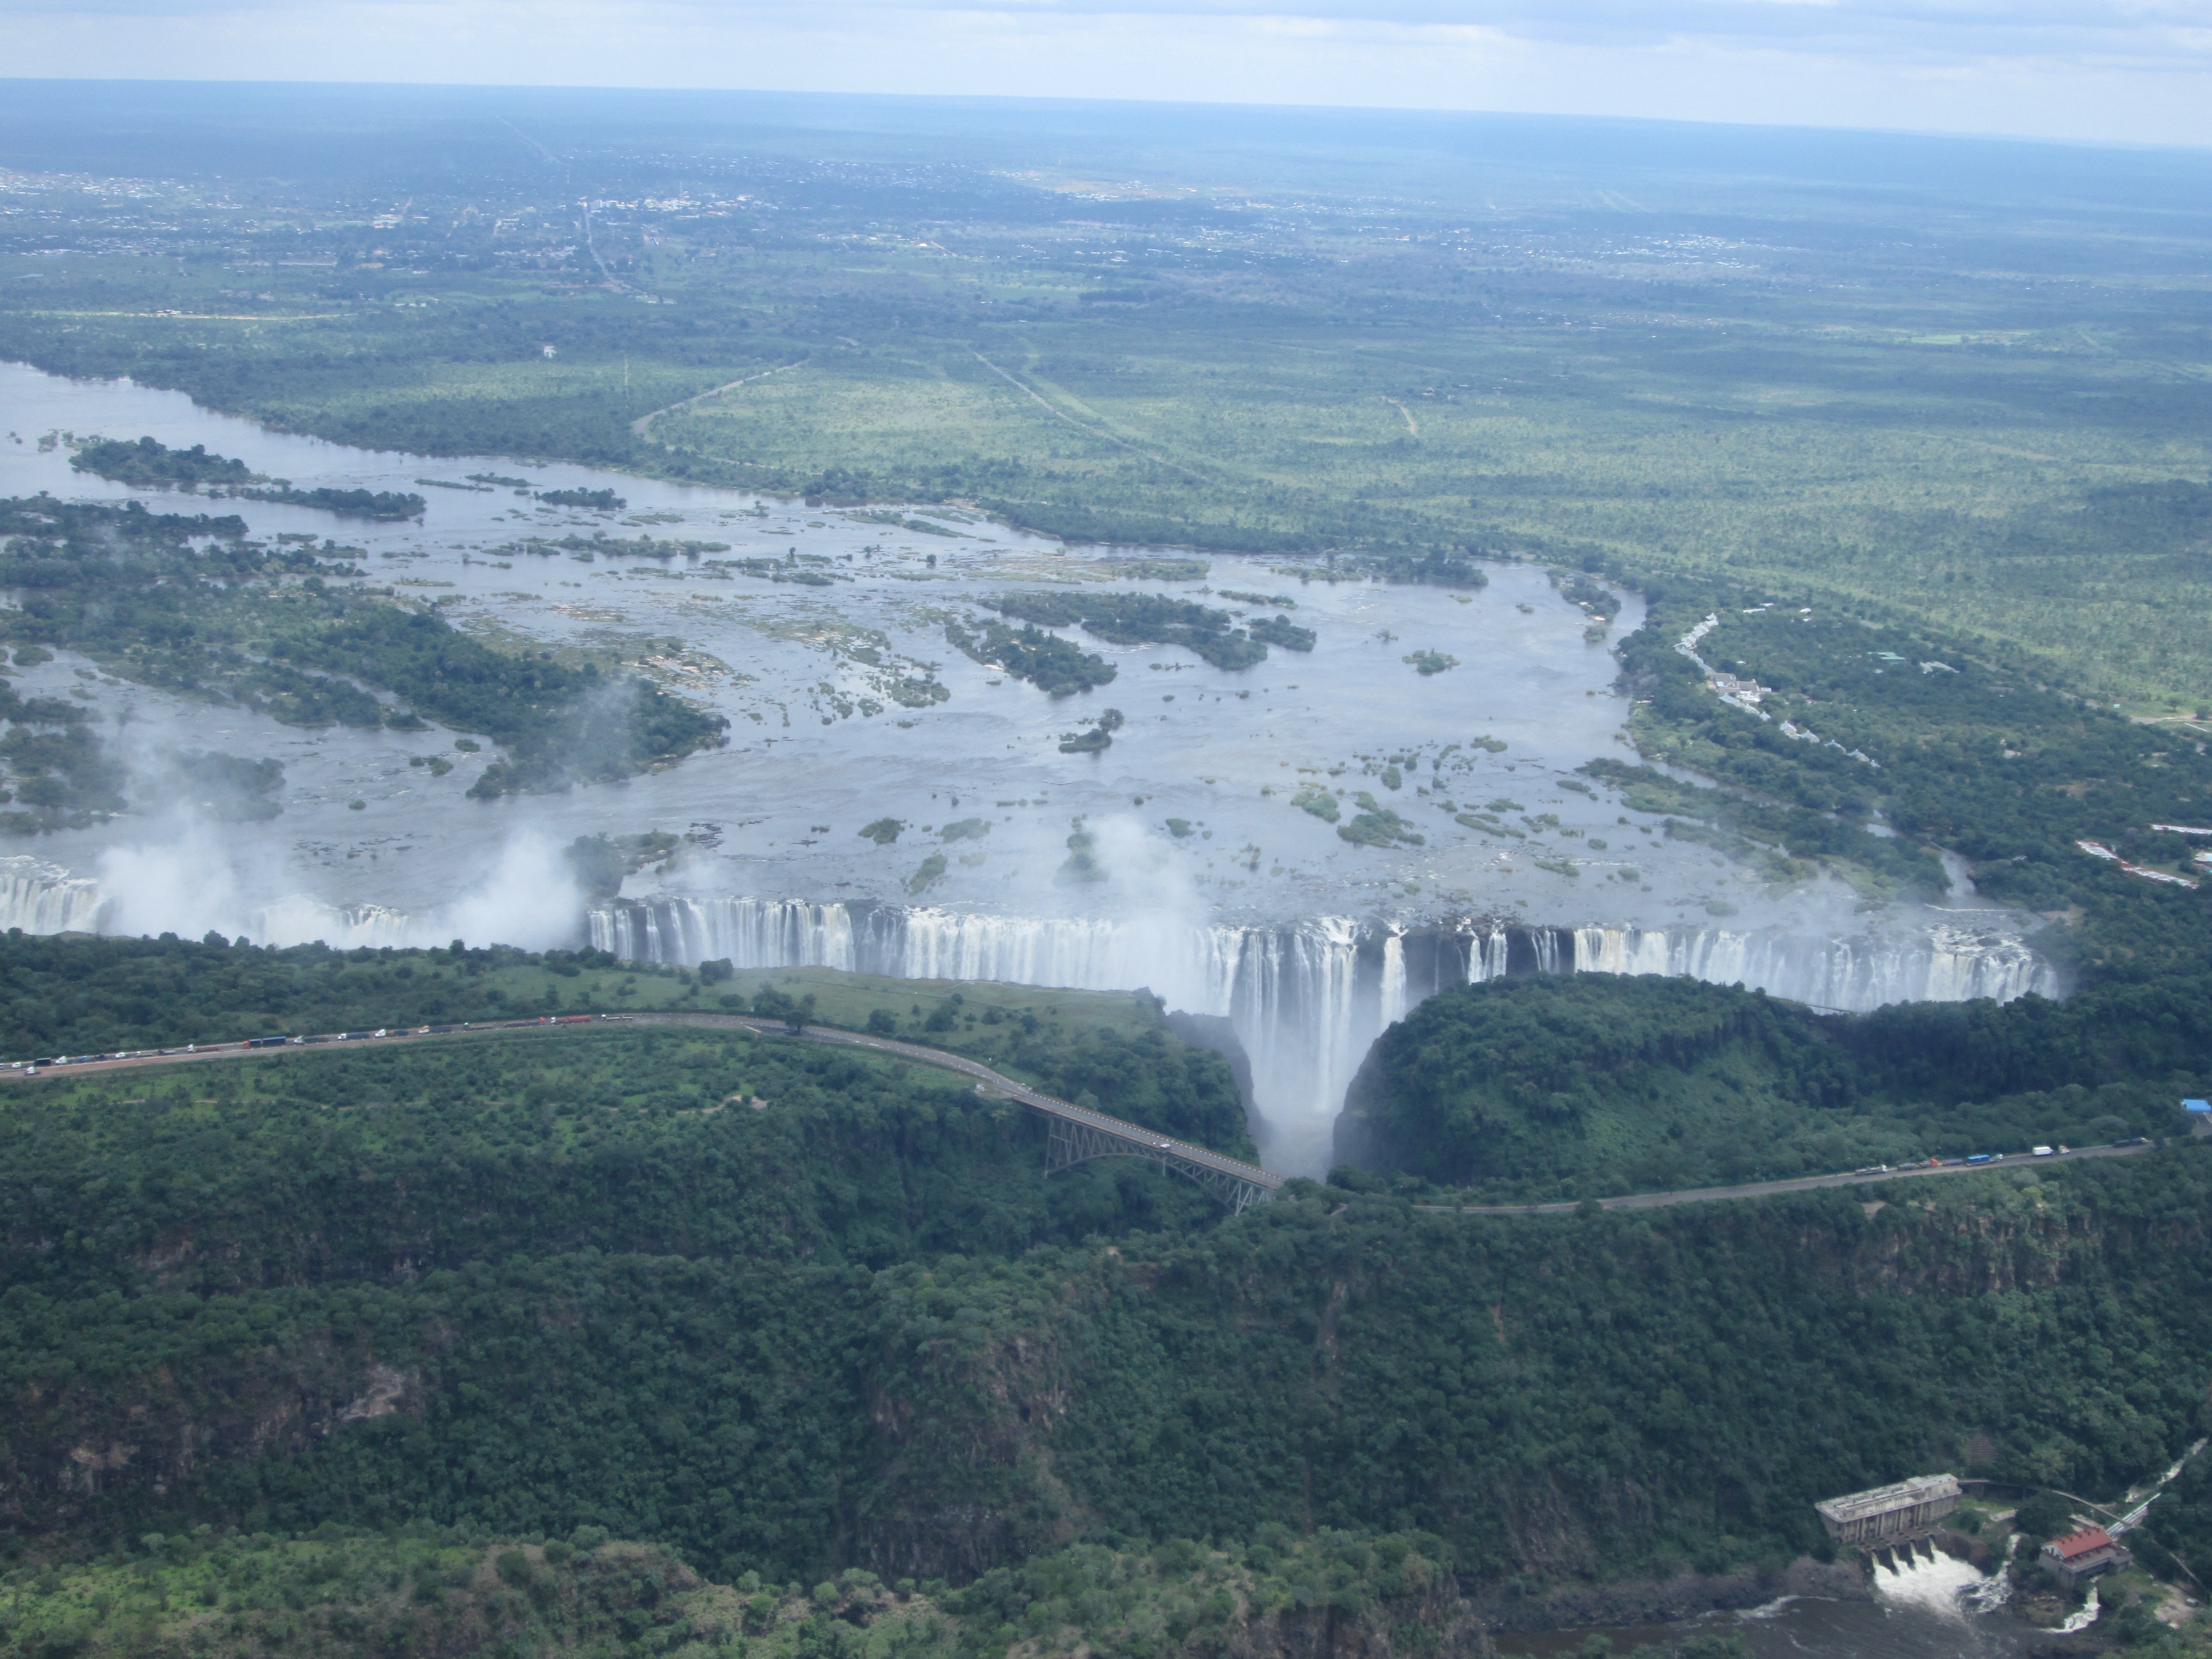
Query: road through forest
{"points": [[1143, 1141]]}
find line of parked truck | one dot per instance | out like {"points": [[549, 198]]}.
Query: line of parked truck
{"points": [[1984, 1158]]}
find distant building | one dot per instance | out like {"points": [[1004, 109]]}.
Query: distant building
{"points": [[2082, 1555], [1903, 1510]]}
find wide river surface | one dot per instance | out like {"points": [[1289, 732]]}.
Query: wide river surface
{"points": [[1192, 871]]}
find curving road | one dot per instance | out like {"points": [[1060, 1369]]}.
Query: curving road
{"points": [[1802, 1184], [1116, 1136]]}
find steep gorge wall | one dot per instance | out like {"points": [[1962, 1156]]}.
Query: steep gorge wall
{"points": [[1543, 1395]]}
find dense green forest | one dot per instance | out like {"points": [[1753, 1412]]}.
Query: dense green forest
{"points": [[650, 1142], [445, 1590], [1536, 1393], [1586, 1085], [1113, 1052], [188, 604]]}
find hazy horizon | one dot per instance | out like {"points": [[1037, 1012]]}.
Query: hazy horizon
{"points": [[2074, 70]]}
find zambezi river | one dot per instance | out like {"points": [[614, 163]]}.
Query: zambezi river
{"points": [[1195, 857]]}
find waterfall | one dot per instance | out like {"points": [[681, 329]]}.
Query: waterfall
{"points": [[1393, 976], [747, 932], [1306, 999], [39, 898], [2082, 1617], [1488, 957], [1935, 1584], [1850, 972]]}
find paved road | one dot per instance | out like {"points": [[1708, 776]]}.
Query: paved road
{"points": [[1802, 1184], [1149, 1143]]}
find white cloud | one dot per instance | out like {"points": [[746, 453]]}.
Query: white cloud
{"points": [[2099, 69]]}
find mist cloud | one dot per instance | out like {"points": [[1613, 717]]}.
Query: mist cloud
{"points": [[184, 883]]}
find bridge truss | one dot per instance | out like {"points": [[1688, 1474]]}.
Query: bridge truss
{"points": [[1073, 1141]]}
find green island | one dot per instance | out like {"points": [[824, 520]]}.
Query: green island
{"points": [[347, 503], [1049, 663], [150, 464], [190, 604], [1146, 619], [599, 500]]}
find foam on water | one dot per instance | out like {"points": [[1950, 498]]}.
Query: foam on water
{"points": [[2082, 1617], [1942, 1586]]}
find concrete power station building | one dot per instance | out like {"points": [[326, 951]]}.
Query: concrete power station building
{"points": [[1890, 1514]]}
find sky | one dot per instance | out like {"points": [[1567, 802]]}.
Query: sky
{"points": [[2131, 71]]}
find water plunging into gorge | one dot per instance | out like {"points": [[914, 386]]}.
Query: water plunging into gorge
{"points": [[948, 836], [1306, 998]]}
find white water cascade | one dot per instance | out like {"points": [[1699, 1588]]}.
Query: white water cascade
{"points": [[1948, 964], [1307, 999], [1938, 1584], [39, 898], [2082, 1617]]}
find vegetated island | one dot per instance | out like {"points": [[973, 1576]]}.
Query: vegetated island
{"points": [[1158, 619], [149, 463], [280, 629], [599, 500], [1047, 661]]}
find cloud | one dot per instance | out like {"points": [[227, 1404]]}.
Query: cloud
{"points": [[2175, 34], [2114, 70]]}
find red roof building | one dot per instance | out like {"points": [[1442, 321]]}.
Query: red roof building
{"points": [[2080, 1554]]}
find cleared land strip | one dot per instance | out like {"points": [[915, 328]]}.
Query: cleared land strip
{"points": [[1140, 1140], [1100, 432], [1802, 1184], [638, 425]]}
